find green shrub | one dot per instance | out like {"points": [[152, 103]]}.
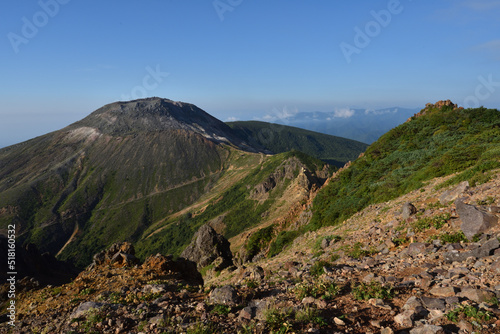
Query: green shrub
{"points": [[357, 251], [440, 143], [365, 291], [283, 239], [310, 315], [221, 309], [317, 268], [259, 240], [468, 312], [324, 290], [453, 237]]}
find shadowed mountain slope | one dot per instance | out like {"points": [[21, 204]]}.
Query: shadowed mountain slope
{"points": [[281, 138]]}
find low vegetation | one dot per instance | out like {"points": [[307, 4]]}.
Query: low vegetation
{"points": [[442, 142]]}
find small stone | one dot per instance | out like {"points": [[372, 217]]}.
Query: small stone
{"points": [[308, 300], [477, 295], [387, 330], [339, 322], [428, 329], [405, 319], [434, 303], [443, 291]]}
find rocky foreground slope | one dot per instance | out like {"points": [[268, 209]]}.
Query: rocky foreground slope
{"points": [[427, 262]]}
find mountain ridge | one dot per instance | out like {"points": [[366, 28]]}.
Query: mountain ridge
{"points": [[112, 175]]}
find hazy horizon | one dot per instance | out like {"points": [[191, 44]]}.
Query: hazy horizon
{"points": [[242, 60]]}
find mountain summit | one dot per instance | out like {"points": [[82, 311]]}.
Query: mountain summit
{"points": [[157, 114]]}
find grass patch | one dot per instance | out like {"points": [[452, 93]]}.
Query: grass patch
{"points": [[468, 312], [358, 252], [365, 291]]}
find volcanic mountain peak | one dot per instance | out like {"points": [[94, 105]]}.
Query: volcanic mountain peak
{"points": [[152, 115]]}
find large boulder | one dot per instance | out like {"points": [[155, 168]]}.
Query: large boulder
{"points": [[225, 295], [209, 248], [408, 210], [473, 220]]}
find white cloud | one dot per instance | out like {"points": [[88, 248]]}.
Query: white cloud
{"points": [[280, 115], [231, 119], [343, 113]]}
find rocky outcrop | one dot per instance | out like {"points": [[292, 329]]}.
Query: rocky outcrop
{"points": [[437, 105], [209, 248], [119, 254]]}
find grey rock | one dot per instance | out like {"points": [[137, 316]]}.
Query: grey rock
{"points": [[412, 303], [416, 248], [473, 220], [208, 247], [85, 307], [453, 194], [226, 295], [408, 210], [260, 307], [485, 250], [154, 288], [427, 329], [443, 291], [247, 313], [434, 303], [405, 319], [495, 267], [477, 295]]}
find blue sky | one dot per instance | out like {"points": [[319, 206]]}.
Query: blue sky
{"points": [[242, 59]]}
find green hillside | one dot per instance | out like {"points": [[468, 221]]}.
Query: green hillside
{"points": [[237, 206], [279, 138], [442, 141]]}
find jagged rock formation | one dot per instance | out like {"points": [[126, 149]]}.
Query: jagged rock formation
{"points": [[209, 248], [437, 105]]}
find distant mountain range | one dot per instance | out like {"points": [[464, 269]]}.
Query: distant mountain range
{"points": [[363, 125]]}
